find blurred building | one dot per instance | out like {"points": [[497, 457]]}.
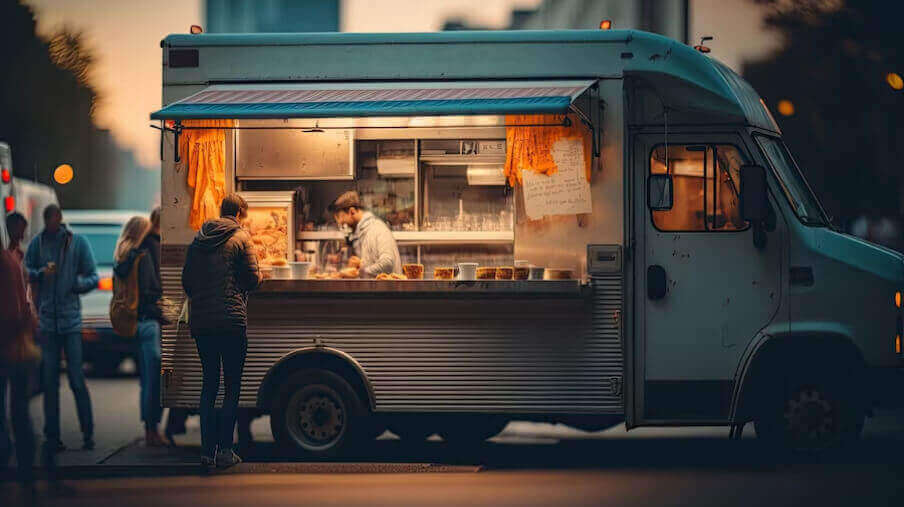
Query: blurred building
{"points": [[249, 16], [667, 17]]}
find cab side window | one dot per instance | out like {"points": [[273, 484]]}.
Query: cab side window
{"points": [[706, 183]]}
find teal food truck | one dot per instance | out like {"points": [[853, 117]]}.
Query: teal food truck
{"points": [[675, 267]]}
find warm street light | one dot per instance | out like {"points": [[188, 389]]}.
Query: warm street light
{"points": [[63, 174], [894, 80], [785, 107]]}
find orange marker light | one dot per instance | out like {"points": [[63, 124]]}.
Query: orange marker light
{"points": [[898, 299], [63, 174], [196, 29], [785, 107], [606, 24], [895, 81], [105, 284], [898, 344]]}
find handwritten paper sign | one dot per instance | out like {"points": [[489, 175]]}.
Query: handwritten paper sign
{"points": [[566, 192]]}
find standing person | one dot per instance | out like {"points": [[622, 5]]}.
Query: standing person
{"points": [[220, 270], [15, 226], [61, 267], [371, 238], [18, 356], [132, 253]]}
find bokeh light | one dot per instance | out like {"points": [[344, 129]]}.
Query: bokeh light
{"points": [[894, 80], [785, 107], [63, 174]]}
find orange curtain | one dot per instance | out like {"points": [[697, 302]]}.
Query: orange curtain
{"points": [[203, 153], [530, 148]]}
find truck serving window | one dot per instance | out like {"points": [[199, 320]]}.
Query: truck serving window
{"points": [[706, 180], [792, 182]]}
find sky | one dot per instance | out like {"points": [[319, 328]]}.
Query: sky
{"points": [[125, 36]]}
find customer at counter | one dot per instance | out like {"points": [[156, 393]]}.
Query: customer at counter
{"points": [[371, 238]]}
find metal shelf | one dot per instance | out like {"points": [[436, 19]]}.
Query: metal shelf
{"points": [[425, 237]]}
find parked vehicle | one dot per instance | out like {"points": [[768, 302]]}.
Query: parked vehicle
{"points": [[103, 349], [707, 284]]}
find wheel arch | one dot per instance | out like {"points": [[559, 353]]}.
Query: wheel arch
{"points": [[317, 357], [778, 352]]}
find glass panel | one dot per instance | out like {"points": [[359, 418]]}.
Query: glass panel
{"points": [[687, 167], [795, 188], [390, 197], [726, 213], [268, 226], [101, 238], [451, 204]]}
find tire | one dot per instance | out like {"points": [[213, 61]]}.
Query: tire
{"points": [[318, 414], [412, 428], [810, 413], [471, 430]]}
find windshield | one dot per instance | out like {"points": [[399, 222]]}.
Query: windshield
{"points": [[792, 181], [102, 239]]}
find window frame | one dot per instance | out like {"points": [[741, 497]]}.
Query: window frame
{"points": [[826, 222], [708, 145]]}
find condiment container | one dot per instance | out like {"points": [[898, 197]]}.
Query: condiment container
{"points": [[536, 273], [413, 271], [504, 273], [282, 272], [300, 270], [468, 271]]}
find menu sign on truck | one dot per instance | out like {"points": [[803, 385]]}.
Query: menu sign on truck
{"points": [[565, 192]]}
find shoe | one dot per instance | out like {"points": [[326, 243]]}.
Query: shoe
{"points": [[153, 439], [208, 462], [89, 444], [170, 438], [226, 458]]}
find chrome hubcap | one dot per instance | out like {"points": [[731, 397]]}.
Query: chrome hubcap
{"points": [[810, 416]]}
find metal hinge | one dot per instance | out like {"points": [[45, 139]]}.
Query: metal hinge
{"points": [[615, 386]]}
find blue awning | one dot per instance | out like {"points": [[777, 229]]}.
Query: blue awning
{"points": [[332, 100]]}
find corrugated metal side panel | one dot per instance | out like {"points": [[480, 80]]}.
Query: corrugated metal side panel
{"points": [[515, 355]]}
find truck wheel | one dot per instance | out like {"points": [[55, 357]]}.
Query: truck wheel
{"points": [[811, 415], [472, 429], [318, 413]]}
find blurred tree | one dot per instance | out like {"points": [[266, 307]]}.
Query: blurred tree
{"points": [[844, 125], [46, 102]]}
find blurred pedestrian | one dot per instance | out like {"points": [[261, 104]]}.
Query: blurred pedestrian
{"points": [[61, 266], [15, 227], [18, 357], [220, 269], [132, 253]]}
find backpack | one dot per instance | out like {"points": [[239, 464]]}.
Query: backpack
{"points": [[124, 305]]}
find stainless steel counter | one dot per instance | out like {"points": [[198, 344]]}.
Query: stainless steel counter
{"points": [[451, 287]]}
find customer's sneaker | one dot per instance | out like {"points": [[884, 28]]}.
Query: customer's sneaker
{"points": [[208, 462], [88, 444], [226, 458]]}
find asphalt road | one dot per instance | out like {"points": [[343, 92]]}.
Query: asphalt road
{"points": [[529, 464]]}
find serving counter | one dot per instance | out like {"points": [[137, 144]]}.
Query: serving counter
{"points": [[438, 287]]}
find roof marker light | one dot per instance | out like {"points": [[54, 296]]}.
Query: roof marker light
{"points": [[606, 24], [9, 204], [5, 176], [196, 29]]}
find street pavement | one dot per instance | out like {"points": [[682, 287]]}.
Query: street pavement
{"points": [[528, 464]]}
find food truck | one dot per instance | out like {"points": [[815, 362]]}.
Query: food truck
{"points": [[646, 248]]}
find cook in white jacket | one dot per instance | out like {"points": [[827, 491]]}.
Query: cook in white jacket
{"points": [[371, 238]]}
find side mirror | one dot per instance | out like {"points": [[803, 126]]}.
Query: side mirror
{"points": [[754, 204], [659, 192]]}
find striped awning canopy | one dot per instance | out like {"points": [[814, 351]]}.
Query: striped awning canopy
{"points": [[333, 100]]}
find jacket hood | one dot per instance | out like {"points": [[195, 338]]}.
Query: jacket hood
{"points": [[216, 232], [123, 267]]}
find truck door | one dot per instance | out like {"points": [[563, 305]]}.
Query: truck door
{"points": [[703, 289]]}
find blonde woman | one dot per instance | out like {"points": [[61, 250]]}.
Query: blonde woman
{"points": [[128, 248]]}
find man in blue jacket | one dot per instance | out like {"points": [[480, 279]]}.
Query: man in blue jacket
{"points": [[60, 267]]}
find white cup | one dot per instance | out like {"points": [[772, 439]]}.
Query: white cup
{"points": [[536, 273], [467, 270], [282, 272], [300, 270]]}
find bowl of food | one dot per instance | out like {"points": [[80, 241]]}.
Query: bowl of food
{"points": [[444, 273], [413, 271]]}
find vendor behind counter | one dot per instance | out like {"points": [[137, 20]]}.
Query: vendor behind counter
{"points": [[371, 238]]}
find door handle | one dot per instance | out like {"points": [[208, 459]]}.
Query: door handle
{"points": [[657, 282]]}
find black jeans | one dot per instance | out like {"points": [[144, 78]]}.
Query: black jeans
{"points": [[228, 348], [18, 379]]}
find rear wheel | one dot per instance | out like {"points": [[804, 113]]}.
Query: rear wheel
{"points": [[318, 413]]}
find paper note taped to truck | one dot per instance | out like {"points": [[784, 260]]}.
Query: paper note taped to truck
{"points": [[565, 192]]}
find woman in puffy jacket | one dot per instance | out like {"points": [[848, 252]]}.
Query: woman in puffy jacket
{"points": [[129, 248]]}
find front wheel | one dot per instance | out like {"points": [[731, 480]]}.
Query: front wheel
{"points": [[318, 413], [811, 415]]}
